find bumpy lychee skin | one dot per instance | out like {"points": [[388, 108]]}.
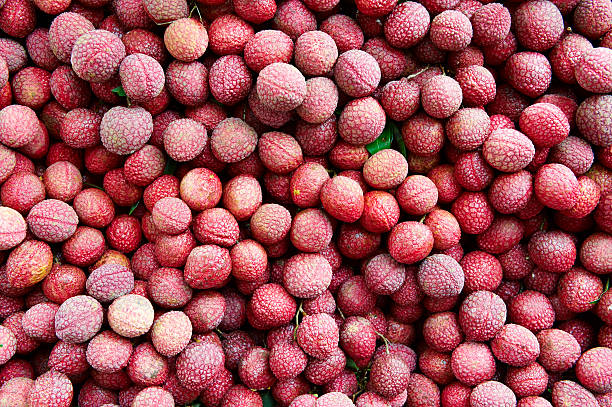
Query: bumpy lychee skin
{"points": [[108, 352], [593, 18], [559, 350], [271, 306], [491, 24], [28, 263], [591, 119], [440, 276], [233, 140], [556, 186], [12, 228], [186, 39], [267, 47], [539, 24], [52, 220], [318, 335], [593, 369], [380, 212], [407, 25], [569, 393], [552, 251], [64, 31], [417, 195], [515, 345], [165, 12], [385, 169], [315, 53], [279, 152], [508, 150], [78, 319], [410, 242], [184, 139], [482, 315], [531, 309], [281, 86], [468, 128], [400, 99], [311, 230], [545, 124], [441, 96], [342, 198], [593, 70], [361, 121], [130, 315], [451, 30], [52, 388], [566, 54], [320, 101], [96, 55], [18, 126], [523, 77], [492, 393], [389, 375], [579, 290], [595, 253], [153, 395], [198, 364], [306, 275], [473, 363], [357, 73], [125, 130], [9, 344], [110, 281], [142, 77]]}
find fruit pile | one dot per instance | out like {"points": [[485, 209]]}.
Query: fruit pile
{"points": [[315, 203]]}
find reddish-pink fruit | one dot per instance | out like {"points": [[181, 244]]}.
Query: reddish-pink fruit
{"points": [[441, 96], [342, 198], [569, 393], [385, 169], [318, 335], [492, 393], [539, 24], [579, 290], [315, 53], [389, 375], [531, 309], [593, 18], [473, 363], [515, 345], [198, 364], [28, 263], [142, 77], [271, 306], [186, 39], [279, 152], [406, 25], [281, 86], [556, 186], [593, 369], [357, 73], [125, 130], [559, 350], [233, 140], [545, 124], [361, 121], [410, 242], [96, 55], [110, 281], [482, 315], [440, 276], [508, 150], [51, 389]]}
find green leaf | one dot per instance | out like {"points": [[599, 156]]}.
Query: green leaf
{"points": [[133, 208], [605, 289], [401, 147], [170, 167], [350, 364], [383, 141], [119, 91], [94, 186], [267, 399]]}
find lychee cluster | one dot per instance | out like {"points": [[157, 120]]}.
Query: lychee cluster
{"points": [[305, 203]]}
